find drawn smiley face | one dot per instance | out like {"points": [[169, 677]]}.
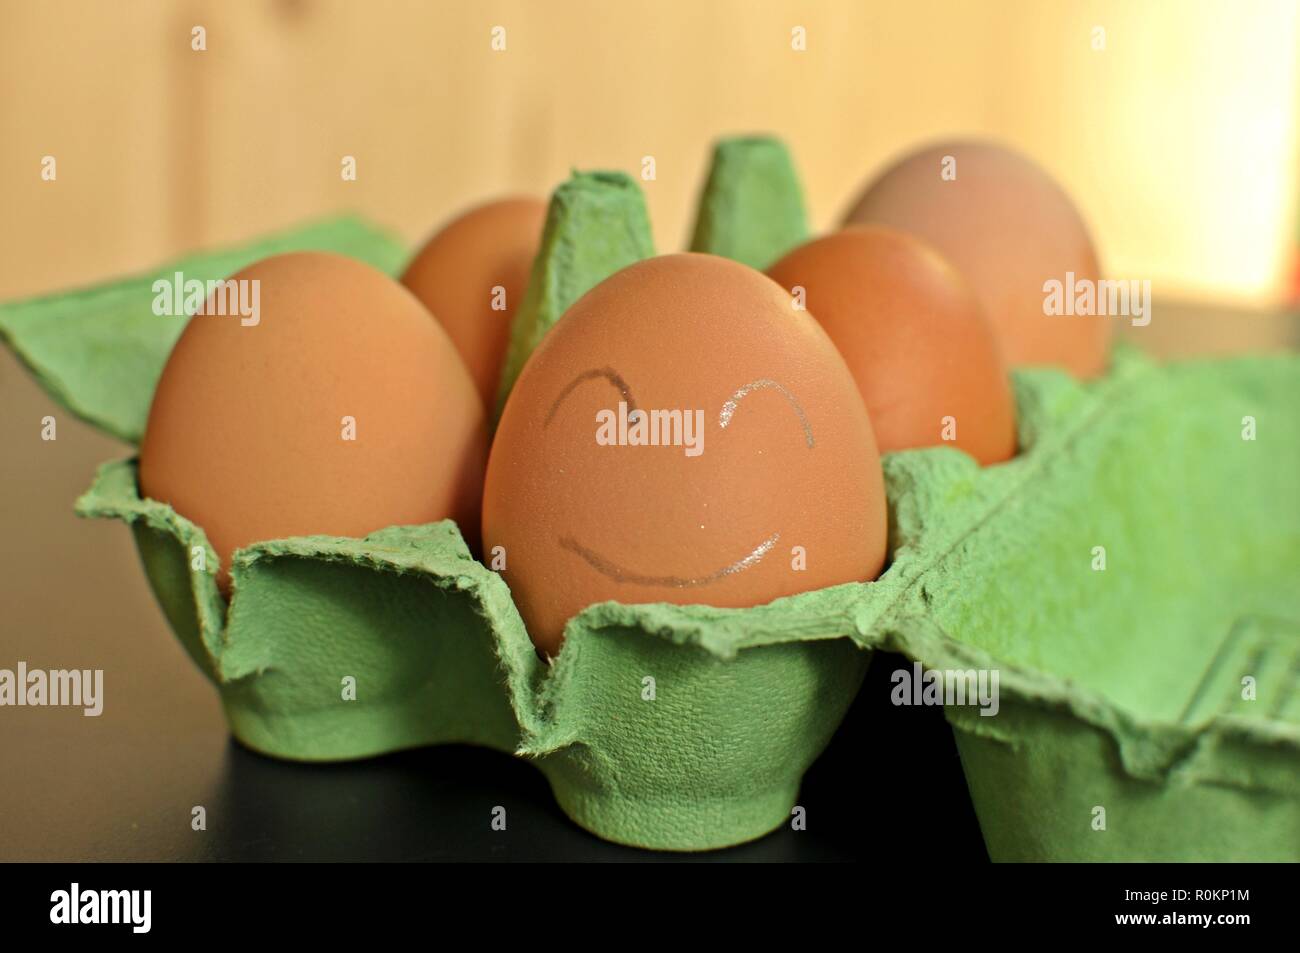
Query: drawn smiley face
{"points": [[627, 468], [668, 428]]}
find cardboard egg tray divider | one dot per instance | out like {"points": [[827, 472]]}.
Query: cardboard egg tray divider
{"points": [[1119, 689]]}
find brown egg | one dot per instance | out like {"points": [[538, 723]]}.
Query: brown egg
{"points": [[682, 435], [248, 432], [913, 335], [457, 273], [1009, 229]]}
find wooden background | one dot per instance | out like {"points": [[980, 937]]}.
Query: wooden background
{"points": [[1177, 139]]}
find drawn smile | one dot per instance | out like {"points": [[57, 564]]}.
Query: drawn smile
{"points": [[609, 568]]}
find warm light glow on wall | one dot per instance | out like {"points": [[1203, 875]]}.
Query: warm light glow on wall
{"points": [[1177, 140]]}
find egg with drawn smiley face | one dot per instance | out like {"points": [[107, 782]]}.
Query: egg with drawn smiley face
{"points": [[684, 434]]}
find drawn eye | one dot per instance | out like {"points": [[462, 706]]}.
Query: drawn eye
{"points": [[600, 373], [729, 408]]}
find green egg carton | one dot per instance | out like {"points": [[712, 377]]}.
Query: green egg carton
{"points": [[657, 726], [1121, 730], [1132, 577]]}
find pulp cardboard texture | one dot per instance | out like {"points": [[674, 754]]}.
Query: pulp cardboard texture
{"points": [[752, 207], [1123, 733], [689, 727], [100, 351], [596, 224], [742, 702]]}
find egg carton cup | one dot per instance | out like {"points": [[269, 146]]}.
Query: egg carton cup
{"points": [[656, 726], [1150, 709], [1122, 731]]}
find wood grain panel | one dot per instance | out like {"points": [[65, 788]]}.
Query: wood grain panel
{"points": [[1178, 141]]}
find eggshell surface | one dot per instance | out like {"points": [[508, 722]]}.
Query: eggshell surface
{"points": [[480, 259], [248, 432], [771, 484], [1009, 229], [913, 335]]}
